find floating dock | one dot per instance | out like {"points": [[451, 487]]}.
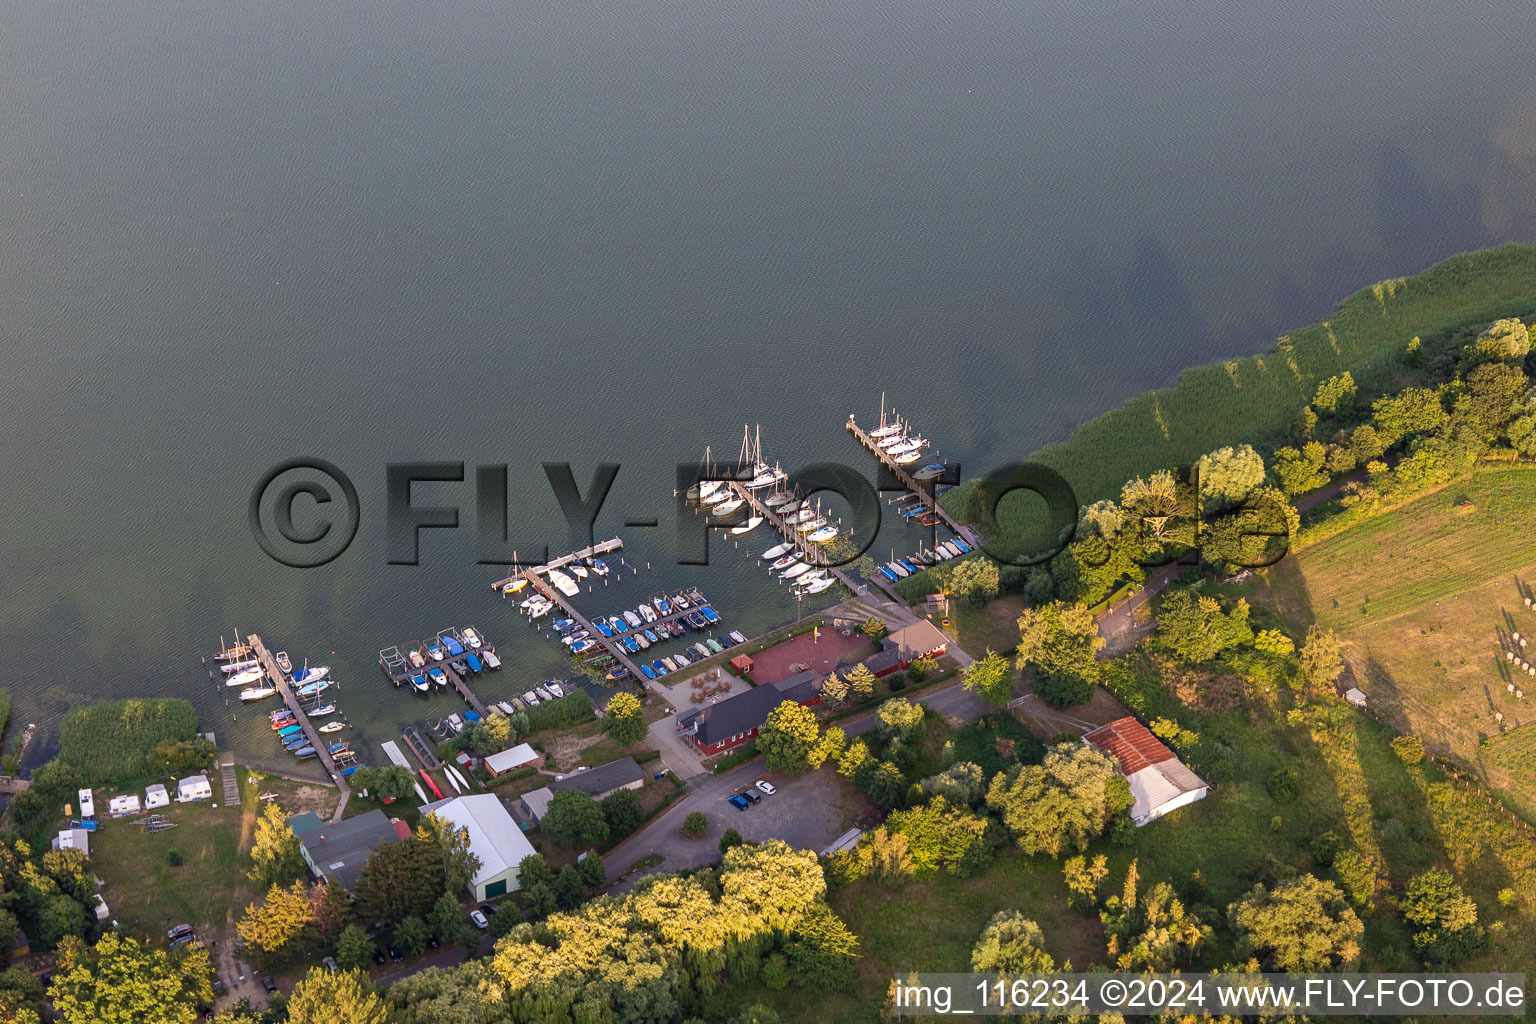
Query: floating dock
{"points": [[278, 678], [808, 551], [603, 548], [392, 751], [399, 670], [613, 647]]}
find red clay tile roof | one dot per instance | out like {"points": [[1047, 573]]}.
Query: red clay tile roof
{"points": [[1130, 743]]}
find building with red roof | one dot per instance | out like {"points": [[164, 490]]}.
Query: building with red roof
{"points": [[1160, 782]]}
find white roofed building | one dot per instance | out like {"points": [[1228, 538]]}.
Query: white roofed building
{"points": [[513, 759], [493, 837]]}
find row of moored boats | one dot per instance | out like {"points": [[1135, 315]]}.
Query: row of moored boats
{"points": [[903, 567], [464, 651]]}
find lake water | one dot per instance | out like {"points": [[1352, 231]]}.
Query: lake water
{"points": [[517, 233]]}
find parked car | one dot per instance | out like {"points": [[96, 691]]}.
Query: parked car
{"points": [[765, 787], [329, 963], [479, 919], [379, 957], [269, 984], [738, 801], [178, 942], [394, 954], [750, 796], [487, 909], [180, 931]]}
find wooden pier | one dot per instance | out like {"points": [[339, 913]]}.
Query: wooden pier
{"points": [[400, 673], [601, 548], [807, 550], [612, 646], [927, 496], [278, 678]]}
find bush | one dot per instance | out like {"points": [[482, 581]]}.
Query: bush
{"points": [[1409, 749], [1284, 785], [896, 681], [695, 823], [173, 858], [572, 709]]}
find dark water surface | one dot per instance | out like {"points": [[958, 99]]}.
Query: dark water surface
{"points": [[515, 232]]}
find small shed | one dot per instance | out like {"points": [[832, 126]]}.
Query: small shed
{"points": [[73, 839], [741, 663], [1355, 696], [155, 795], [87, 805], [193, 787], [512, 759], [126, 804]]}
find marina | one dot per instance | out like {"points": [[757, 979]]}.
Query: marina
{"points": [[439, 660], [278, 680], [511, 584]]}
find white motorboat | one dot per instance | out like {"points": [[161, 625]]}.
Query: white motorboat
{"points": [[647, 613], [748, 526], [563, 583], [258, 692], [795, 570], [599, 566], [472, 638], [531, 600], [908, 458], [800, 516], [819, 586], [490, 659], [540, 610], [785, 562], [245, 677], [631, 618], [333, 727], [555, 688], [823, 534], [579, 569], [680, 601], [777, 550], [506, 707], [726, 508], [897, 568]]}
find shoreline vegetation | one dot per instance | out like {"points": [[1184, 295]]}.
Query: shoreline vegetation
{"points": [[1253, 399]]}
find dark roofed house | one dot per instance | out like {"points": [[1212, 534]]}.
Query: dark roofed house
{"points": [[625, 773], [338, 850], [719, 726], [804, 687], [885, 661], [919, 640]]}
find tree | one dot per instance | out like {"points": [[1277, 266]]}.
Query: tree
{"points": [[347, 997], [574, 819], [853, 759], [962, 784], [1504, 341], [730, 839], [275, 855], [1299, 471], [281, 926], [1058, 806], [1321, 658], [1493, 390], [391, 782], [532, 870], [447, 919], [1409, 412], [943, 836], [882, 855], [1083, 877], [1444, 917], [834, 690], [411, 935], [885, 785], [623, 812], [787, 737], [1256, 535], [1227, 476], [695, 823], [1151, 933], [354, 949], [828, 747], [1408, 748], [900, 719], [624, 719], [120, 981], [1155, 501], [975, 579], [333, 910], [1011, 944], [593, 871], [873, 627], [1060, 642], [407, 876], [861, 682], [1336, 394], [990, 678], [569, 888], [1304, 924], [447, 845], [1196, 629]]}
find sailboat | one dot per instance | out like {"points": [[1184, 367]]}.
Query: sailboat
{"points": [[233, 652], [748, 526], [726, 508], [245, 676], [777, 550], [763, 475], [237, 666], [333, 727], [885, 429]]}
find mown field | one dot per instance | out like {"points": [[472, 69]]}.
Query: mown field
{"points": [[1254, 399], [1425, 599]]}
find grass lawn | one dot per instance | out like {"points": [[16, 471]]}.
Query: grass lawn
{"points": [[995, 625], [1424, 599], [208, 890]]}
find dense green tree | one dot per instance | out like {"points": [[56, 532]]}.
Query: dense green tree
{"points": [[885, 784], [942, 836], [873, 627], [1227, 477], [1258, 534], [623, 812], [1304, 924], [1060, 644], [1058, 806], [1151, 932], [275, 855], [1301, 470], [853, 759], [569, 888], [120, 981], [975, 579], [1322, 659], [787, 737], [829, 745], [962, 784], [1493, 390], [1336, 395], [347, 997], [729, 839], [333, 911], [574, 819], [1153, 503], [834, 690], [282, 926], [447, 845], [1011, 944], [624, 719], [861, 682], [990, 678], [1197, 629], [1443, 917], [354, 949], [411, 935], [900, 719], [532, 870], [695, 823], [1410, 412], [593, 872], [404, 877], [447, 919], [1504, 341]]}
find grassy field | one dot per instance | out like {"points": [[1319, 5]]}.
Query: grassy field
{"points": [[1425, 599], [147, 894], [1254, 399]]}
